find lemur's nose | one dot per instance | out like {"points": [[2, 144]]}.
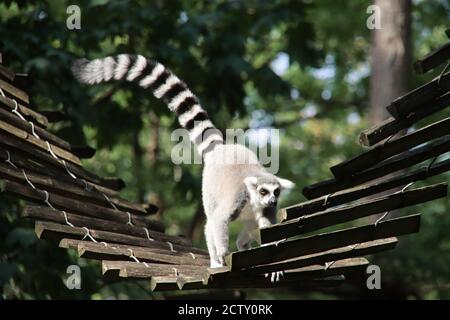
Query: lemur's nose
{"points": [[273, 202]]}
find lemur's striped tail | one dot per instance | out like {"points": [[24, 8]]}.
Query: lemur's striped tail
{"points": [[164, 85]]}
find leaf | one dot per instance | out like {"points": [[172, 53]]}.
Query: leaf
{"points": [[7, 271], [22, 237]]}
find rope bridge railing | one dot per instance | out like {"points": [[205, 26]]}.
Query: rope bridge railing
{"points": [[84, 212]]}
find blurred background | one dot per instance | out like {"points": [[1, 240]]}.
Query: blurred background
{"points": [[312, 69]]}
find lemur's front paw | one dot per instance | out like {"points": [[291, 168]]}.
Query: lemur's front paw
{"points": [[275, 276], [215, 264]]}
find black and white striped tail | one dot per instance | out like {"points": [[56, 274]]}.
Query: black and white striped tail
{"points": [[164, 85]]}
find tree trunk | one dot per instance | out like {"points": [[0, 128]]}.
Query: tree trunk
{"points": [[390, 56], [390, 62]]}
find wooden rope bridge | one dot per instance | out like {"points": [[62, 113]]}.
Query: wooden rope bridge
{"points": [[81, 211]]}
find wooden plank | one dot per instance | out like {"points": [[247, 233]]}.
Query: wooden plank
{"points": [[392, 126], [384, 168], [190, 283], [348, 195], [316, 221], [69, 190], [164, 283], [170, 283], [47, 160], [14, 92], [83, 208], [29, 138], [44, 134], [381, 152], [6, 73], [49, 214], [433, 59], [114, 251], [56, 232], [346, 252], [414, 100], [322, 242], [22, 161], [137, 270], [29, 114], [248, 280]]}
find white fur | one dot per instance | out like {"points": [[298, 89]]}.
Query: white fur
{"points": [[123, 62], [171, 80], [185, 117], [137, 68], [223, 190], [156, 72], [108, 68], [198, 128], [209, 139], [175, 103]]}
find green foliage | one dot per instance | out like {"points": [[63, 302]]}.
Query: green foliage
{"points": [[224, 50]]}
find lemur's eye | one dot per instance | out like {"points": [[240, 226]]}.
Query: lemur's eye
{"points": [[263, 192], [276, 192]]}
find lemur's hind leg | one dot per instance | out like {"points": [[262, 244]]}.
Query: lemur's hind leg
{"points": [[209, 235], [219, 225]]}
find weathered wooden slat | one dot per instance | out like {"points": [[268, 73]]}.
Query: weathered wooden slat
{"points": [[384, 168], [21, 160], [69, 190], [83, 208], [322, 242], [29, 138], [180, 283], [164, 283], [56, 232], [6, 73], [114, 251], [49, 214], [139, 270], [433, 59], [14, 92], [347, 252], [316, 221], [29, 114], [403, 106], [46, 159], [348, 195], [245, 279], [381, 152], [14, 120], [392, 126], [190, 283]]}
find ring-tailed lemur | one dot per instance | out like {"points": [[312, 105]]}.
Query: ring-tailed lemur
{"points": [[230, 189]]}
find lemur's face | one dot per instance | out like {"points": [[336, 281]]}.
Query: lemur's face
{"points": [[267, 194], [264, 191]]}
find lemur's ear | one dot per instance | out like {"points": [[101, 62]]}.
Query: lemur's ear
{"points": [[285, 183], [250, 182]]}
